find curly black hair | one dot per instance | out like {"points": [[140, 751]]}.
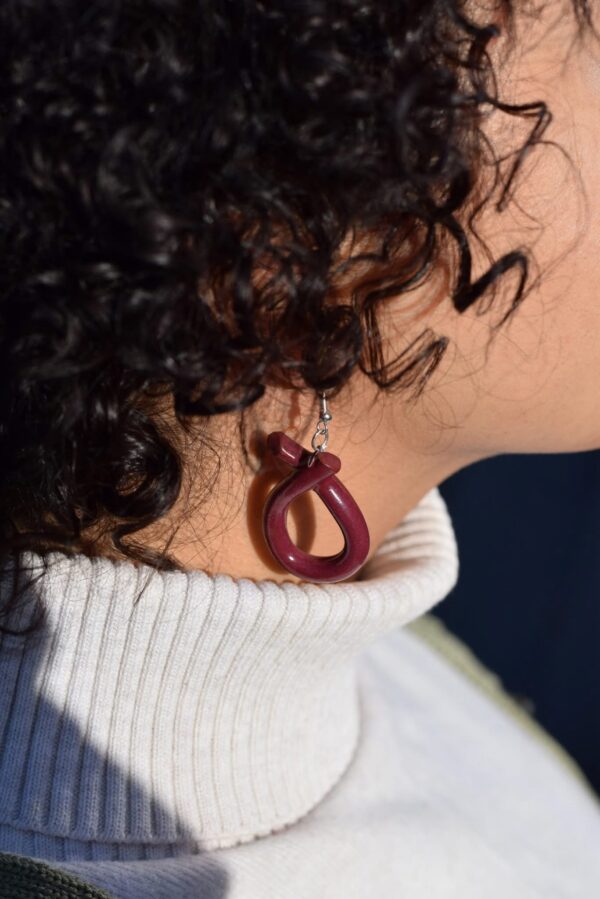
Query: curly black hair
{"points": [[178, 179]]}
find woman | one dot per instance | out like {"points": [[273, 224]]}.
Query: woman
{"points": [[213, 215]]}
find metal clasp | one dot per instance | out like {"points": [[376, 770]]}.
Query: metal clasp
{"points": [[320, 438]]}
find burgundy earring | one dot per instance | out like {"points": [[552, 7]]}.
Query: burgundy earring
{"points": [[314, 471]]}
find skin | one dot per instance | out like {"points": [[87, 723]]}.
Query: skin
{"points": [[531, 389]]}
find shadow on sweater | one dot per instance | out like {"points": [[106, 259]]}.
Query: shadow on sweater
{"points": [[54, 782]]}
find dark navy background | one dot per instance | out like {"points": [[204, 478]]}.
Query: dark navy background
{"points": [[528, 597]]}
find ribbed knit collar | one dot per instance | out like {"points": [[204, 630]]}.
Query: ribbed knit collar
{"points": [[212, 711]]}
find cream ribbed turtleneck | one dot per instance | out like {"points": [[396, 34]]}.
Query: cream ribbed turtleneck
{"points": [[231, 739], [210, 712]]}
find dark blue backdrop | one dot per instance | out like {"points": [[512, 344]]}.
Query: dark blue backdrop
{"points": [[528, 597]]}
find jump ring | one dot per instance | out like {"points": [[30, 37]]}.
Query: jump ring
{"points": [[320, 432]]}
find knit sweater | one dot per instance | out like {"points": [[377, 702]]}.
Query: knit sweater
{"points": [[216, 737]]}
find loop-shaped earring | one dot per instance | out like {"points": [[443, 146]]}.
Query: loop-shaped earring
{"points": [[314, 471]]}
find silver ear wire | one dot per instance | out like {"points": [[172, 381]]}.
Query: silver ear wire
{"points": [[320, 438], [325, 413]]}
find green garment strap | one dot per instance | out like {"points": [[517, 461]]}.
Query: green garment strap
{"points": [[26, 878], [432, 631]]}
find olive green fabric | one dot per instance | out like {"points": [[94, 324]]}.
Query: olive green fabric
{"points": [[27, 878], [431, 630]]}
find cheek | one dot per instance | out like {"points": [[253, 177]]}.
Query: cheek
{"points": [[533, 384], [533, 388], [536, 386]]}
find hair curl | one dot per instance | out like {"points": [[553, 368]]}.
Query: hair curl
{"points": [[177, 180]]}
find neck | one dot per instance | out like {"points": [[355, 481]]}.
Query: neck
{"points": [[387, 466]]}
